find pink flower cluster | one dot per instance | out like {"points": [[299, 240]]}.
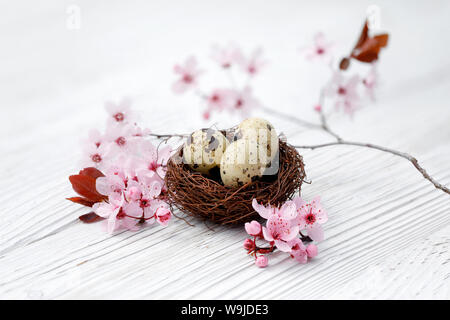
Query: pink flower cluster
{"points": [[232, 97], [287, 229], [134, 172], [347, 92]]}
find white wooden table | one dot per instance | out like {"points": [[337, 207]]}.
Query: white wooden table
{"points": [[389, 230]]}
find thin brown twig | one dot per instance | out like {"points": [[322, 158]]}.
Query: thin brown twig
{"points": [[404, 155], [307, 124], [291, 118], [339, 141], [159, 136]]}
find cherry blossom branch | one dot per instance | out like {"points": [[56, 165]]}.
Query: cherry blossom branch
{"points": [[404, 155], [340, 141], [160, 136]]}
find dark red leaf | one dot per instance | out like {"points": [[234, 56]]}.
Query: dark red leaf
{"points": [[382, 39], [370, 49], [363, 37], [92, 172], [85, 186], [82, 201], [90, 217], [367, 48]]}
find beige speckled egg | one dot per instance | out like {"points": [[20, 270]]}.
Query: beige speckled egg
{"points": [[204, 149], [240, 163], [263, 132]]}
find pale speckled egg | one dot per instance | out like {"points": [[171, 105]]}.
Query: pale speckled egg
{"points": [[203, 149], [263, 132], [240, 163]]}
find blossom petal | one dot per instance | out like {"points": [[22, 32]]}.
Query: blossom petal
{"points": [[155, 189], [164, 155], [102, 209], [315, 232], [102, 186], [266, 234], [262, 210], [283, 246], [133, 209], [299, 202], [112, 223], [291, 233], [288, 210]]}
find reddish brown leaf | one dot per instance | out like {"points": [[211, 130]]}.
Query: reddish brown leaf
{"points": [[82, 201], [85, 186], [367, 48], [370, 49], [90, 217], [382, 39], [363, 37], [92, 172]]}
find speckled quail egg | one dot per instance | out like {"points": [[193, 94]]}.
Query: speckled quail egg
{"points": [[240, 163], [203, 149], [263, 132]]}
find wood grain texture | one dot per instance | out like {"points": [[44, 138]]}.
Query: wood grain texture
{"points": [[388, 232]]}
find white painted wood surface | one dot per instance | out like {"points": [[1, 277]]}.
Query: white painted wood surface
{"points": [[389, 229]]}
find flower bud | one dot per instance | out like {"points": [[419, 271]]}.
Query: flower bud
{"points": [[311, 250], [249, 244], [262, 261], [253, 228]]}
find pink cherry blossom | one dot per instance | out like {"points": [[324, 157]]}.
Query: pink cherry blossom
{"points": [[152, 163], [245, 102], [345, 92], [280, 230], [127, 218], [287, 210], [283, 227], [94, 156], [163, 216], [134, 193], [131, 203], [112, 207], [120, 113], [137, 131], [121, 140], [310, 217], [188, 73], [298, 250], [110, 184], [134, 171], [226, 56], [261, 261], [220, 99], [249, 244], [253, 228], [95, 139], [254, 63], [320, 49], [280, 227], [94, 150], [263, 211], [151, 207], [311, 250]]}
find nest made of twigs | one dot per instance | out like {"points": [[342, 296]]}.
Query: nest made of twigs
{"points": [[206, 197]]}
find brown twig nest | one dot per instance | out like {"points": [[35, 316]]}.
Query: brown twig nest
{"points": [[205, 196]]}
